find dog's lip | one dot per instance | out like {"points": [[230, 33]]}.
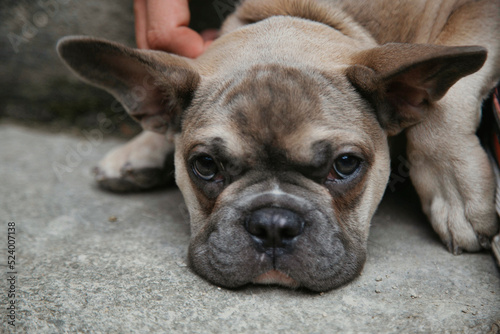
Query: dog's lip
{"points": [[276, 277]]}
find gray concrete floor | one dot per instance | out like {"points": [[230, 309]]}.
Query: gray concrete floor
{"points": [[79, 270]]}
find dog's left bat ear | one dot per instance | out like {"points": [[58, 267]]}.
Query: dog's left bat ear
{"points": [[403, 80], [154, 87]]}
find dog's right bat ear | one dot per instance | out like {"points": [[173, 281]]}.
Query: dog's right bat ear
{"points": [[153, 86]]}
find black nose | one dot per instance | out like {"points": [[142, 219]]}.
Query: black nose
{"points": [[273, 228]]}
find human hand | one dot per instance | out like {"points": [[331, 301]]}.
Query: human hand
{"points": [[163, 25]]}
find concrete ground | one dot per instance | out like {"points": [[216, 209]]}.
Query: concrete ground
{"points": [[90, 261]]}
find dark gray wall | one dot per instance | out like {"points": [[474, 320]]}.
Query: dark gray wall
{"points": [[34, 85]]}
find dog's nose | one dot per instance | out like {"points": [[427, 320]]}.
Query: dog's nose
{"points": [[273, 228]]}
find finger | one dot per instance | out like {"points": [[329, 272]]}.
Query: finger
{"points": [[140, 23], [186, 42], [163, 16], [209, 34]]}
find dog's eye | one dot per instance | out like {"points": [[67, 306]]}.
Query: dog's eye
{"points": [[344, 166], [205, 167]]}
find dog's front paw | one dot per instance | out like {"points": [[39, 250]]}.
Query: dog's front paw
{"points": [[143, 163], [457, 195], [463, 225], [131, 179]]}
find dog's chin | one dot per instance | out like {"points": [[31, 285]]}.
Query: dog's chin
{"points": [[276, 277]]}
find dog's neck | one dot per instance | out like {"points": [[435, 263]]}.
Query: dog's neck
{"points": [[318, 11]]}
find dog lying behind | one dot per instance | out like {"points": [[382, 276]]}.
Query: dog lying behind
{"points": [[281, 129]]}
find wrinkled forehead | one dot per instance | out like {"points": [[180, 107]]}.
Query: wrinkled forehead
{"points": [[272, 109]]}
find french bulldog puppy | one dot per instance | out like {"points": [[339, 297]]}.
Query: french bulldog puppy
{"points": [[280, 129]]}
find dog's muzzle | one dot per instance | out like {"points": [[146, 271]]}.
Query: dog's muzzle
{"points": [[285, 235]]}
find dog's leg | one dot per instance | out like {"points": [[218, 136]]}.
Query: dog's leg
{"points": [[451, 172], [450, 169], [143, 163]]}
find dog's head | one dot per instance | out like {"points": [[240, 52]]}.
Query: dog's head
{"points": [[281, 139]]}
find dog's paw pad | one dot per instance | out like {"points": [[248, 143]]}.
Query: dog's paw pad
{"points": [[145, 178], [131, 180]]}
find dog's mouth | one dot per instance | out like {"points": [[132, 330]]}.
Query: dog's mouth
{"points": [[276, 277]]}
